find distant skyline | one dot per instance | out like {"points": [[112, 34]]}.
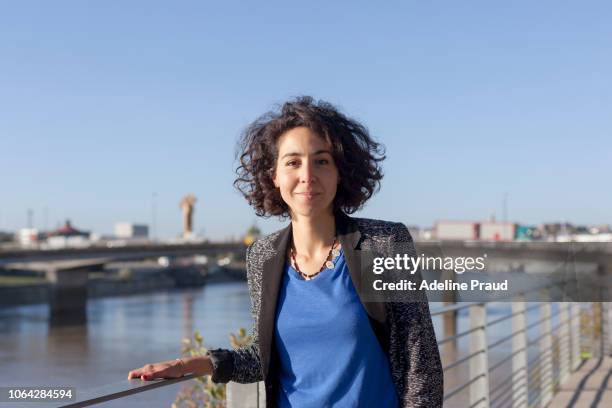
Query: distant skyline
{"points": [[103, 104]]}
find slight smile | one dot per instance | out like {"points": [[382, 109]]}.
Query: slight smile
{"points": [[308, 195]]}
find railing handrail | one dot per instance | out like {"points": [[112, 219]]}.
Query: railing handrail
{"points": [[121, 389]]}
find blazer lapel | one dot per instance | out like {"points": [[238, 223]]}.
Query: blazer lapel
{"points": [[349, 236], [272, 274]]}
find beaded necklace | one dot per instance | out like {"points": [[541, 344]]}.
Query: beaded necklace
{"points": [[327, 264]]}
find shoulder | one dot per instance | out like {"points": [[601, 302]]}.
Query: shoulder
{"points": [[263, 246], [386, 237], [257, 254], [379, 229]]}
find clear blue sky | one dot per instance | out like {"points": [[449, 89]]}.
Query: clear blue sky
{"points": [[103, 103]]}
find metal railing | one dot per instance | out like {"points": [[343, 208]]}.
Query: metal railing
{"points": [[514, 380], [531, 382]]}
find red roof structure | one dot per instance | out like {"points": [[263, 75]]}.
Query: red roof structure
{"points": [[67, 230]]}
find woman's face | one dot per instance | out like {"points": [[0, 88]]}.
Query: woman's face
{"points": [[305, 172]]}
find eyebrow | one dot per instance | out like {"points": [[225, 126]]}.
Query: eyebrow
{"points": [[298, 154]]}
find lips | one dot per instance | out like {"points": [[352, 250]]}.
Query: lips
{"points": [[308, 194]]}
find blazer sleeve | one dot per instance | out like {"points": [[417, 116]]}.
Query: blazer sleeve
{"points": [[242, 365], [413, 343]]}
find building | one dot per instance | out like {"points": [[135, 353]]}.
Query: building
{"points": [[456, 230], [67, 236], [27, 236], [129, 230]]}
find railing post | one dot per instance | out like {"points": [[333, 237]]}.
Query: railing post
{"points": [[479, 367], [449, 326], [449, 319], [242, 395], [597, 339], [261, 394], [607, 328], [575, 335], [519, 349], [564, 346], [546, 350]]}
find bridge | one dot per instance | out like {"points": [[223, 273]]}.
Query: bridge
{"points": [[68, 269], [597, 252], [11, 257]]}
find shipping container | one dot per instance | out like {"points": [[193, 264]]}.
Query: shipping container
{"points": [[497, 231], [526, 233], [456, 230]]}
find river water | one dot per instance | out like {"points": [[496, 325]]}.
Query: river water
{"points": [[121, 334]]}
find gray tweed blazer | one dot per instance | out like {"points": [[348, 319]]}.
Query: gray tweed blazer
{"points": [[404, 329]]}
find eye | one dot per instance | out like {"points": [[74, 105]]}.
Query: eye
{"points": [[292, 163], [323, 161]]}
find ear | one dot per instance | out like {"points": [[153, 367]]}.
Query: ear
{"points": [[274, 179]]}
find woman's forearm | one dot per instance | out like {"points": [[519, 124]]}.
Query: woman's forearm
{"points": [[197, 365]]}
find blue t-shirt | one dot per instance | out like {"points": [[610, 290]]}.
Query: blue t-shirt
{"points": [[329, 354]]}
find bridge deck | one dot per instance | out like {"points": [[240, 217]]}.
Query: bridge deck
{"points": [[590, 386]]}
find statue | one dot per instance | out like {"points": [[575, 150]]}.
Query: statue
{"points": [[187, 205]]}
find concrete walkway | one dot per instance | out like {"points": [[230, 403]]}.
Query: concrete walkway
{"points": [[590, 386]]}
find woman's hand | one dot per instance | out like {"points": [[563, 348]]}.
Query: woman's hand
{"points": [[164, 369]]}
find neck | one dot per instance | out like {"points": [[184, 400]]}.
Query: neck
{"points": [[311, 235]]}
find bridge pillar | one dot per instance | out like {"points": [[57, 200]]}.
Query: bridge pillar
{"points": [[67, 296]]}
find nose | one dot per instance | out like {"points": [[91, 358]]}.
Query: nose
{"points": [[306, 173]]}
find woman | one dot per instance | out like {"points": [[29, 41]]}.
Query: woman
{"points": [[316, 343]]}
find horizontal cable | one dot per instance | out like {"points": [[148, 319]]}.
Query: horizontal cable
{"points": [[505, 317], [499, 363], [455, 307], [529, 326], [505, 339], [533, 341], [461, 387], [463, 360], [511, 376], [504, 386], [510, 395], [456, 336], [483, 399]]}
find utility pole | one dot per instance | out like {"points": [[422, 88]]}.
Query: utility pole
{"points": [[45, 218], [154, 217]]}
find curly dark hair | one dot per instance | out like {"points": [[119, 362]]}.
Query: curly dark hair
{"points": [[356, 154]]}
